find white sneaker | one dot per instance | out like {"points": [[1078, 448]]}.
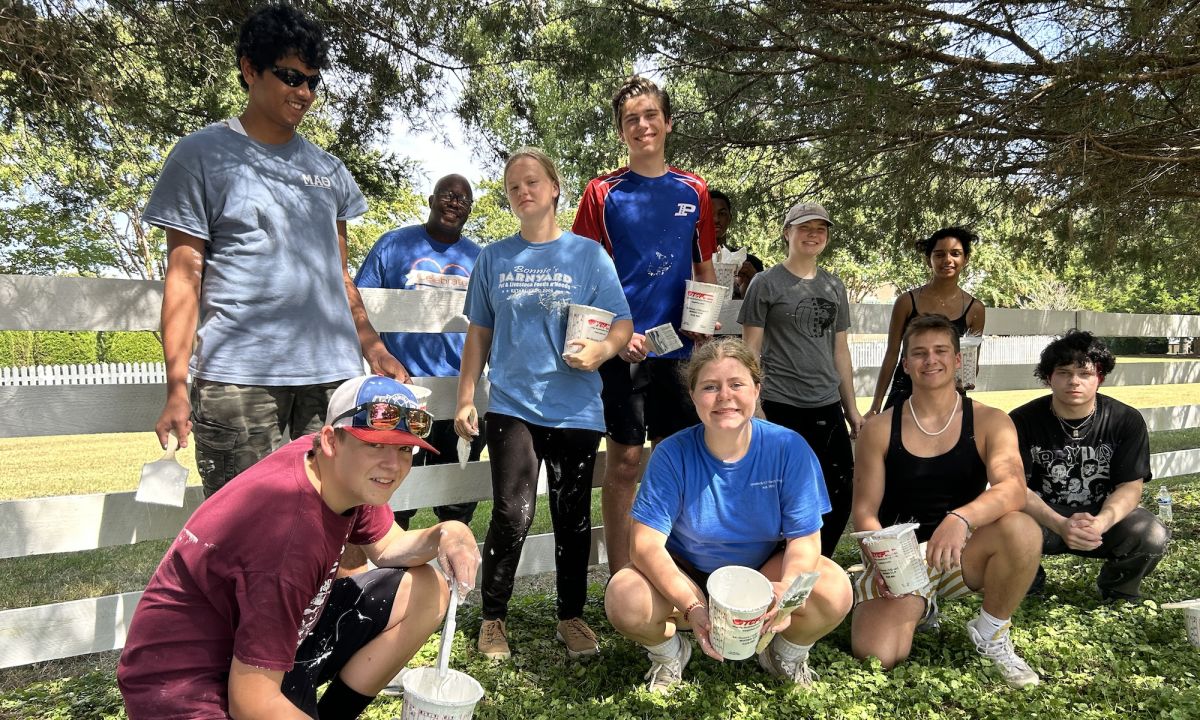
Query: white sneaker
{"points": [[395, 688], [667, 672], [797, 671], [999, 649]]}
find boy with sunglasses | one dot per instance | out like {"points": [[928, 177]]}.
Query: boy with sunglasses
{"points": [[246, 617], [255, 217]]}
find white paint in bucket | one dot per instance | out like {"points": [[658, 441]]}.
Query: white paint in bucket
{"points": [[702, 307], [587, 323], [427, 697], [738, 597], [895, 551]]}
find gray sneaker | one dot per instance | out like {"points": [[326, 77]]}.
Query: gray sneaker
{"points": [[999, 649], [931, 622], [667, 672], [797, 672]]}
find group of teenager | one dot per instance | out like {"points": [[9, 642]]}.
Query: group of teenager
{"points": [[262, 598]]}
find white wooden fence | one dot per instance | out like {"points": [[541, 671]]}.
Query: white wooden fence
{"points": [[84, 522], [92, 374], [1000, 350]]}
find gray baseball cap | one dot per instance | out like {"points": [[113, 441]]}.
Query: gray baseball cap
{"points": [[805, 211]]}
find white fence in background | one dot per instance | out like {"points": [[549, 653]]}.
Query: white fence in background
{"points": [[40, 526], [93, 374], [1000, 350]]}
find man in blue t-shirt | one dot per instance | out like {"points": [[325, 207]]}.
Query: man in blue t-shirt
{"points": [[256, 292], [656, 224], [431, 256]]}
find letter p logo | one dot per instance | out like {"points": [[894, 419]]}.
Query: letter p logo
{"points": [[685, 209]]}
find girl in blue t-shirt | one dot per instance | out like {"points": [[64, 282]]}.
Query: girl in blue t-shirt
{"points": [[733, 490], [544, 403]]}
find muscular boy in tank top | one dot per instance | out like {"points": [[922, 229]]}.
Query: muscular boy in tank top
{"points": [[930, 460]]}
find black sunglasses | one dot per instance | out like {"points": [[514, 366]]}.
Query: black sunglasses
{"points": [[386, 416], [294, 78]]}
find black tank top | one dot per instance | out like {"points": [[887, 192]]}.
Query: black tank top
{"points": [[959, 323], [923, 490]]}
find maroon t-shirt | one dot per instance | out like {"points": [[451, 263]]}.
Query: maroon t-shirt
{"points": [[248, 577]]}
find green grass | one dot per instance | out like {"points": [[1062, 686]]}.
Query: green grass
{"points": [[1096, 661]]}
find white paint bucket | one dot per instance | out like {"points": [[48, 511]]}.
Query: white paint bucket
{"points": [[1191, 617], [738, 597], [428, 697], [726, 273], [969, 345], [421, 394], [702, 307], [587, 323], [895, 551]]}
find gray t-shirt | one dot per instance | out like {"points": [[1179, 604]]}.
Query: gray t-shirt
{"points": [[800, 320], [273, 305]]}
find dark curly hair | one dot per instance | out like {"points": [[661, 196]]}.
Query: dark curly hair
{"points": [[962, 234], [1078, 348], [274, 32]]}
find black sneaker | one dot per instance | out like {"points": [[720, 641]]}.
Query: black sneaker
{"points": [[1038, 586]]}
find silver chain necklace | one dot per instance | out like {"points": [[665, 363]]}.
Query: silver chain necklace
{"points": [[912, 411], [1080, 431]]}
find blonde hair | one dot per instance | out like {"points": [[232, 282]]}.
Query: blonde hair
{"points": [[717, 349], [539, 156]]}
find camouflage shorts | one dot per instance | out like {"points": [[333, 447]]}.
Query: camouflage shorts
{"points": [[235, 426]]}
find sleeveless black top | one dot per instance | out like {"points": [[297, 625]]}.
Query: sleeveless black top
{"points": [[923, 490], [901, 383]]}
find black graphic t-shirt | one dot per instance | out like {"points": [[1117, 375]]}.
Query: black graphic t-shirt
{"points": [[1081, 474]]}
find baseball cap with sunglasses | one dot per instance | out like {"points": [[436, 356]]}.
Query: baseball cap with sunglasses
{"points": [[379, 410]]}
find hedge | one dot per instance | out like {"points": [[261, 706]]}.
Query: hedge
{"points": [[20, 348]]}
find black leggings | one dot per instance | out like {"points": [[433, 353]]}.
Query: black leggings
{"points": [[517, 449], [825, 430]]}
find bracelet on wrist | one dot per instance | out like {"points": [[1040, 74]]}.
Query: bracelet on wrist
{"points": [[966, 522], [687, 613]]}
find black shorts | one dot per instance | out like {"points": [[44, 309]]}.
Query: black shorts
{"points": [[645, 399], [356, 613]]}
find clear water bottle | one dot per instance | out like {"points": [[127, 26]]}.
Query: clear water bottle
{"points": [[1165, 510]]}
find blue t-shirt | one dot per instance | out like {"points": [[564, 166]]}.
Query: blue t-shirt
{"points": [[716, 513], [273, 304], [654, 228], [409, 259], [522, 291]]}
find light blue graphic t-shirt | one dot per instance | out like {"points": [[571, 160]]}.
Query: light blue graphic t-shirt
{"points": [[717, 513], [522, 291], [273, 304], [408, 258]]}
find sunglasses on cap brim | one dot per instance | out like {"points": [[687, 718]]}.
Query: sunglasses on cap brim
{"points": [[388, 416]]}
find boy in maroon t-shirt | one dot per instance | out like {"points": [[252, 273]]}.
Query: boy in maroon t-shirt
{"points": [[245, 615]]}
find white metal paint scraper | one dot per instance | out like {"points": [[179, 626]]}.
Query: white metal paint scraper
{"points": [[163, 481]]}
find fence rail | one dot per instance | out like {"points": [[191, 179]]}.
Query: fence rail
{"points": [[66, 524]]}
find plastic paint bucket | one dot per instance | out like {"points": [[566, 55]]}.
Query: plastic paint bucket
{"points": [[726, 273], [702, 307], [421, 394], [895, 551], [587, 323], [428, 697], [738, 597], [969, 345]]}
